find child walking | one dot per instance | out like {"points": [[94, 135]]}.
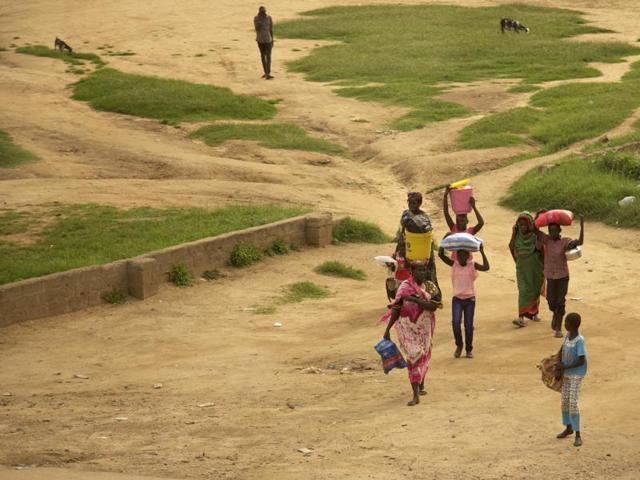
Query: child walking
{"points": [[463, 276], [572, 368], [556, 269]]}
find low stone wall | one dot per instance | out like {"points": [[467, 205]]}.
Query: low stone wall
{"points": [[141, 276]]}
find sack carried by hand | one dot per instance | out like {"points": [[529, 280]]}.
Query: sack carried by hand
{"points": [[547, 367], [390, 354]]}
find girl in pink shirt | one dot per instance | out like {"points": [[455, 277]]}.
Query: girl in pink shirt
{"points": [[463, 276]]}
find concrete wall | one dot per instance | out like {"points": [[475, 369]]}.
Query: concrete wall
{"points": [[141, 276]]}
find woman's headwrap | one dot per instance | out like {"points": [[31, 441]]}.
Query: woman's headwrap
{"points": [[529, 219], [414, 196]]}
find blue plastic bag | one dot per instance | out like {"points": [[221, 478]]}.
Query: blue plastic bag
{"points": [[391, 356]]}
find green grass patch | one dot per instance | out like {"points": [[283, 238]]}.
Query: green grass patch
{"points": [[75, 58], [121, 54], [180, 276], [81, 235], [173, 100], [590, 185], [245, 254], [502, 129], [356, 231], [11, 155], [12, 222], [559, 116], [275, 135], [425, 108], [339, 269], [623, 140], [404, 54], [299, 291], [524, 88]]}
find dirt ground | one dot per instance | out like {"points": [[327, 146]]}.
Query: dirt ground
{"points": [[486, 418]]}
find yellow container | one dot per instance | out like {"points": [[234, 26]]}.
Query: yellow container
{"points": [[460, 183], [418, 245]]}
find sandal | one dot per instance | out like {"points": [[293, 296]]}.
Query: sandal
{"points": [[518, 322]]}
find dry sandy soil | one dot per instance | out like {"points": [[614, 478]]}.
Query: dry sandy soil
{"points": [[489, 417]]}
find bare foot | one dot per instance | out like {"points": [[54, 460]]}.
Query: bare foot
{"points": [[578, 441], [567, 431], [457, 353]]}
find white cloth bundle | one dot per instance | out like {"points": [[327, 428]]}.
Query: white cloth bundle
{"points": [[461, 241]]}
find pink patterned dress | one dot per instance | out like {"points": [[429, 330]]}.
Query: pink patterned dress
{"points": [[414, 327]]}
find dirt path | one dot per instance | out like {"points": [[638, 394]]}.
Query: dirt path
{"points": [[489, 418]]}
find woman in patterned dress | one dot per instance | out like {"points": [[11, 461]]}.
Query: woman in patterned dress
{"points": [[412, 314]]}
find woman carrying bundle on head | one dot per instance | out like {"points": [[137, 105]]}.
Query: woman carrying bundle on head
{"points": [[415, 237], [412, 315], [464, 272], [529, 261]]}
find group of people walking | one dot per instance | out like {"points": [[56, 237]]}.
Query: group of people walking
{"points": [[541, 269]]}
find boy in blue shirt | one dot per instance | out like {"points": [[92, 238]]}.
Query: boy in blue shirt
{"points": [[572, 368]]}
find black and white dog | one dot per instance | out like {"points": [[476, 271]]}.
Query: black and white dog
{"points": [[515, 25]]}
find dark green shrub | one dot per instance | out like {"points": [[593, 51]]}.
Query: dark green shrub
{"points": [[180, 276], [245, 254]]}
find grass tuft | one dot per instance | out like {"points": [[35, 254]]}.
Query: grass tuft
{"points": [[180, 276], [356, 231], [11, 155], [245, 254], [115, 297], [274, 135], [297, 292], [163, 99], [339, 269], [278, 247]]}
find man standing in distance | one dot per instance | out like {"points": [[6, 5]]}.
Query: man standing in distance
{"points": [[264, 36]]}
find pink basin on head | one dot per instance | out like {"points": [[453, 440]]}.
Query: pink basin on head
{"points": [[460, 200]]}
